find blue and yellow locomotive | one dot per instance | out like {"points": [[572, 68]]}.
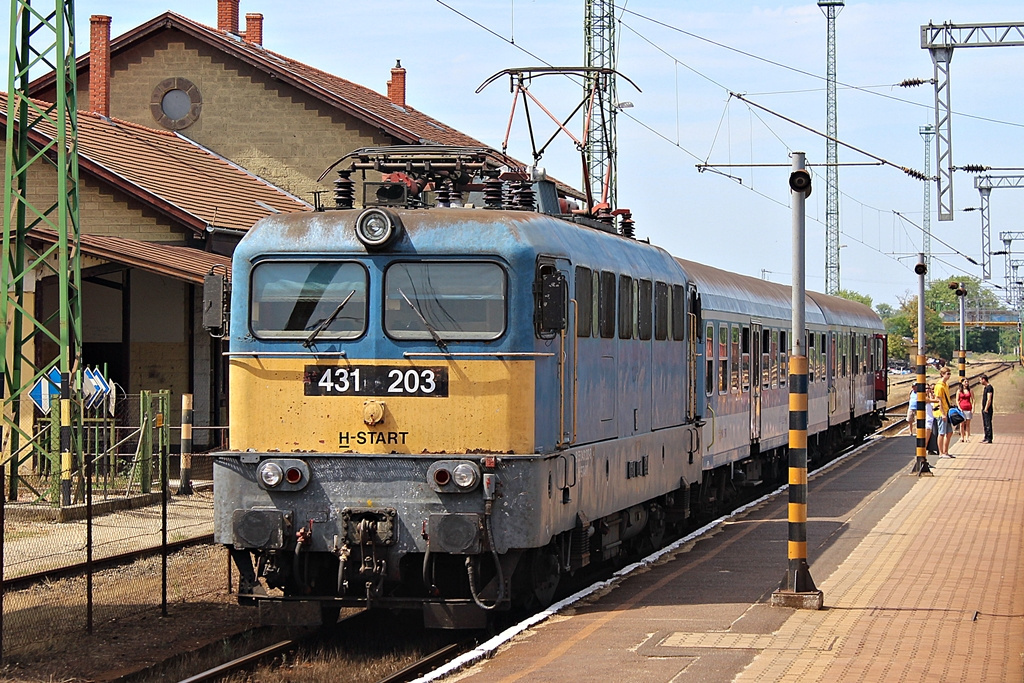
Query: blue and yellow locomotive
{"points": [[446, 408]]}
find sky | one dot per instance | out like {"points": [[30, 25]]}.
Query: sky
{"points": [[686, 57]]}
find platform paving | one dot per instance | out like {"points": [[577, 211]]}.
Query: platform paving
{"points": [[922, 580]]}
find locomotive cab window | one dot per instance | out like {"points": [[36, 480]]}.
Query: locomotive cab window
{"points": [[451, 300], [289, 300]]}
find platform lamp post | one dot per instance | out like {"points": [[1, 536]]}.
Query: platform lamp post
{"points": [[961, 294], [921, 462], [797, 588]]}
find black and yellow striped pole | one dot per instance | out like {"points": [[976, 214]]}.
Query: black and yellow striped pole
{"points": [[185, 481], [921, 461], [797, 588], [66, 463]]}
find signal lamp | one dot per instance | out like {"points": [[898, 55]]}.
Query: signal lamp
{"points": [[377, 227], [293, 475], [920, 268]]}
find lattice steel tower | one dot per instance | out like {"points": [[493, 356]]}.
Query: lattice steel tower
{"points": [[927, 132], [831, 8], [601, 145], [41, 138]]}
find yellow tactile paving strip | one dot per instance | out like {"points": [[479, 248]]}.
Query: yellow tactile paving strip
{"points": [[934, 593]]}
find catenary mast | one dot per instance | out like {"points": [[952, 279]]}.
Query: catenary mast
{"points": [[601, 146], [831, 8]]}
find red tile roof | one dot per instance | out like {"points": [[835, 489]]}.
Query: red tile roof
{"points": [[406, 124], [173, 174], [180, 263]]}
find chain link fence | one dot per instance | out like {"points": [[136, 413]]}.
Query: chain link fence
{"points": [[132, 539]]}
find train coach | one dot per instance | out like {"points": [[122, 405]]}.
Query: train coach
{"points": [[447, 408]]}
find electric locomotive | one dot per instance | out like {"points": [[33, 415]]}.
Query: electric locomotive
{"points": [[445, 408]]}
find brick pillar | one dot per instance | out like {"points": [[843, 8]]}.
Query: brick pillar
{"points": [[227, 16], [254, 28], [99, 64], [396, 86]]}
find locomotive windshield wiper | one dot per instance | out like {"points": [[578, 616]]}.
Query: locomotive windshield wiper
{"points": [[325, 323], [426, 323]]}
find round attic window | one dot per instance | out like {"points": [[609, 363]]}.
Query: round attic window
{"points": [[176, 103]]}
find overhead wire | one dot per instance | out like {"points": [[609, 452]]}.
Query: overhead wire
{"points": [[750, 104]]}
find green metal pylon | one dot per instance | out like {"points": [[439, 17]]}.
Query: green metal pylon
{"points": [[39, 136]]}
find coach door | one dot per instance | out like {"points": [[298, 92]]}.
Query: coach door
{"points": [[753, 344]]}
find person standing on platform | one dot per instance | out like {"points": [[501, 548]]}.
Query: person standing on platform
{"points": [[929, 418], [965, 401], [942, 426], [986, 408]]}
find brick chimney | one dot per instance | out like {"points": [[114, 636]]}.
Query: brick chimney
{"points": [[396, 86], [227, 16], [99, 64], [254, 28]]}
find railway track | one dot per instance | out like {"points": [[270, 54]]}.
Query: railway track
{"points": [[343, 631]]}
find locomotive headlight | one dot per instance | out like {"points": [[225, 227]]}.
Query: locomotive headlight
{"points": [[271, 474], [377, 227], [465, 475]]}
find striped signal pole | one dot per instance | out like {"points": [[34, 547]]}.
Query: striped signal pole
{"points": [[66, 463], [921, 461], [185, 481], [797, 588]]}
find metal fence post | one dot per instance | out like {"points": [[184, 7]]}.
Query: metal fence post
{"points": [[146, 442], [88, 541], [165, 401]]}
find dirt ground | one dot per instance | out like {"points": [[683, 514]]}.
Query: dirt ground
{"points": [[45, 635]]}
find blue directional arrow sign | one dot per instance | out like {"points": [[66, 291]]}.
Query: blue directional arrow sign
{"points": [[102, 389], [45, 389], [89, 387]]}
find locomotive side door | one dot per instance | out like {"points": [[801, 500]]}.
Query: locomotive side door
{"points": [[555, 320], [568, 359], [754, 348]]}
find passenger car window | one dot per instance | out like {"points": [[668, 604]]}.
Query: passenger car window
{"points": [[290, 299], [723, 358], [709, 359], [457, 300]]}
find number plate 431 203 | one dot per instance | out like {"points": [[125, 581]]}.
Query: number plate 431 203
{"points": [[374, 380]]}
